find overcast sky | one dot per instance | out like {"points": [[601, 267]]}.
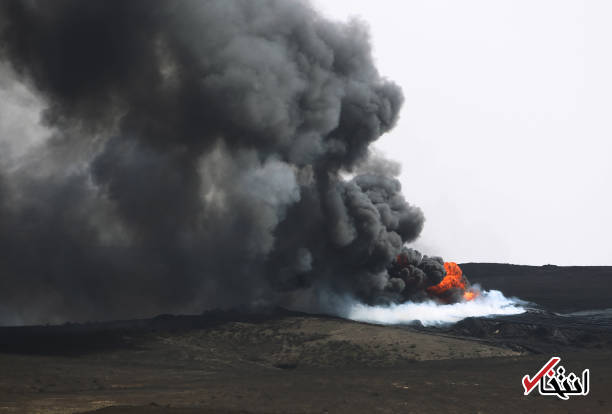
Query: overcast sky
{"points": [[506, 133]]}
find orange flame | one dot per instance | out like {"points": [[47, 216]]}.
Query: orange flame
{"points": [[470, 295], [453, 280]]}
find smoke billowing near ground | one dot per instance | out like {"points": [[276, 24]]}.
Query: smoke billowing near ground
{"points": [[179, 156]]}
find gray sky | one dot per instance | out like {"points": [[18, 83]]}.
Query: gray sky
{"points": [[505, 135]]}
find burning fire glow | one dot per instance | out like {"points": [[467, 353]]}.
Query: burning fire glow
{"points": [[454, 279], [449, 301]]}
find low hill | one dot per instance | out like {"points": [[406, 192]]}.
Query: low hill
{"points": [[556, 288]]}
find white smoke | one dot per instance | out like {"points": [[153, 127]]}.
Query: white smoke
{"points": [[430, 313]]}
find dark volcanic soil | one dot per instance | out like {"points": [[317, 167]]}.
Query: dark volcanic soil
{"points": [[281, 361]]}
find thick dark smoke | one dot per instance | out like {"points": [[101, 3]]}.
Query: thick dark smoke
{"points": [[412, 273], [196, 158]]}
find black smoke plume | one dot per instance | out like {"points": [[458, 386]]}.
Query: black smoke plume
{"points": [[196, 158]]}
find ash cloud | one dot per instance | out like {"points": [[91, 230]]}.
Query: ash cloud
{"points": [[194, 159]]}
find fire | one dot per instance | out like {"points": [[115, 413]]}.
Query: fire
{"points": [[470, 294], [454, 279]]}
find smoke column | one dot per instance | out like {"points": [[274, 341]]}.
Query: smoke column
{"points": [[176, 156], [193, 158]]}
